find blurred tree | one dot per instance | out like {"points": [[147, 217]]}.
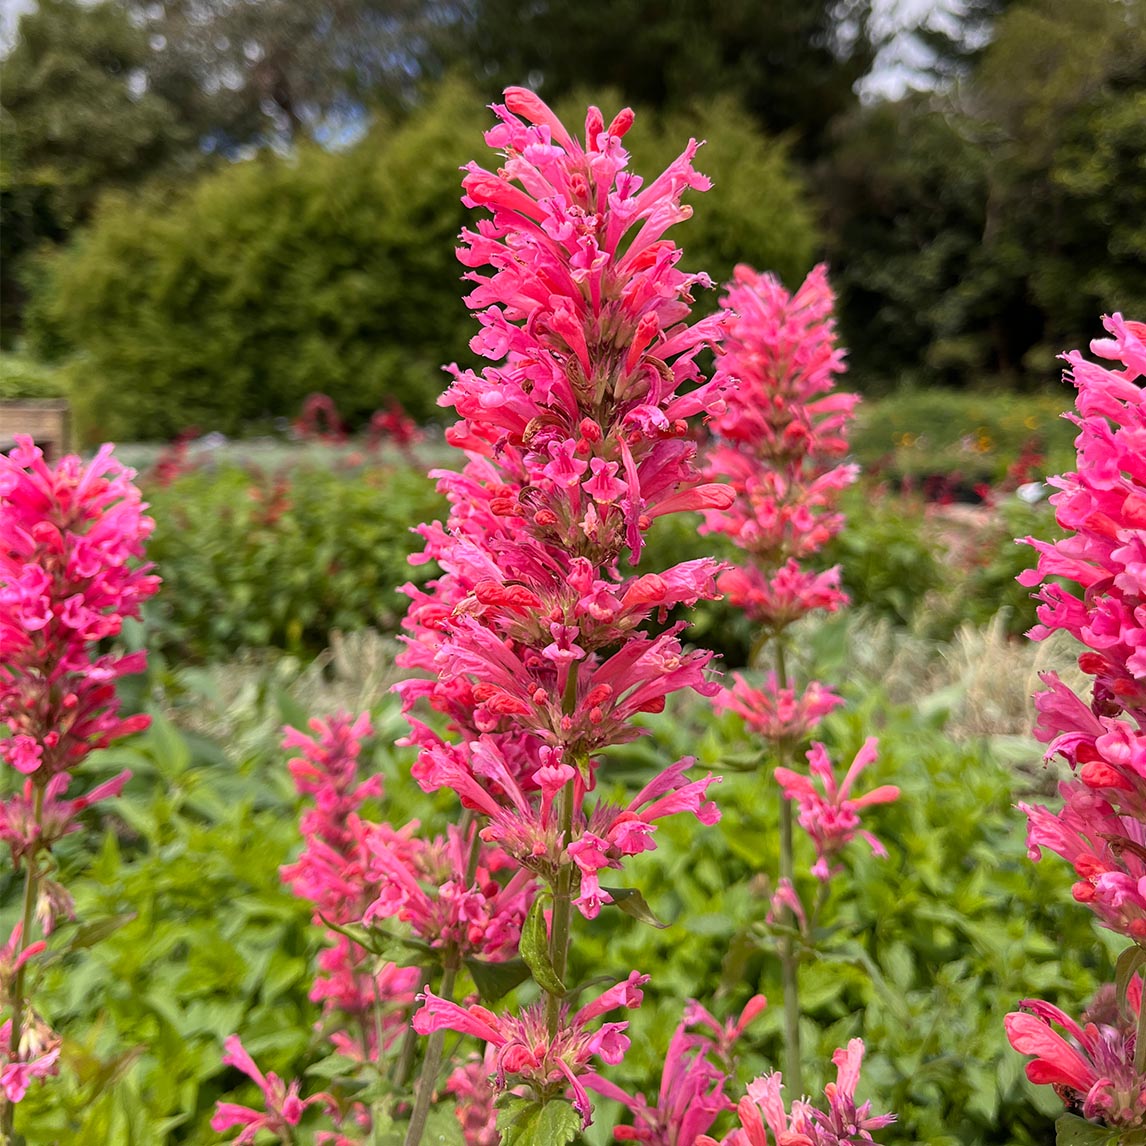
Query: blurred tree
{"points": [[78, 116], [268, 279], [285, 70], [979, 232], [793, 64]]}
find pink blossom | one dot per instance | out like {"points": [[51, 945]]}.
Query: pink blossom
{"points": [[776, 713], [829, 814], [842, 1124], [778, 444], [284, 1107], [475, 1097], [71, 537], [525, 1050], [38, 1053], [1102, 508], [1092, 1064]]}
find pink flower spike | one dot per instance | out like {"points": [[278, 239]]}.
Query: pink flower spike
{"points": [[831, 816]]}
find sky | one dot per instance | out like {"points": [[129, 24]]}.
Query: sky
{"points": [[895, 69]]}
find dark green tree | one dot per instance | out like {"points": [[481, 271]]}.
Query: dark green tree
{"points": [[78, 116], [793, 64]]}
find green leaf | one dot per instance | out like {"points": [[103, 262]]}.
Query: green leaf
{"points": [[525, 1123], [89, 934], [494, 980], [534, 950], [631, 902], [395, 948], [1070, 1130], [1128, 962]]}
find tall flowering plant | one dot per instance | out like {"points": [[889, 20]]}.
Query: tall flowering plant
{"points": [[71, 543], [576, 439], [1098, 1067], [779, 445]]}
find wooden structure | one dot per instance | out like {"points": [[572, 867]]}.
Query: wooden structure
{"points": [[47, 421]]}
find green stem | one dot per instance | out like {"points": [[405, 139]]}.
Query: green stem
{"points": [[432, 1063], [562, 911], [31, 892], [789, 959]]}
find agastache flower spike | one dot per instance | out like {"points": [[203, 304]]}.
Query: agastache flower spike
{"points": [[577, 440], [1100, 828], [71, 544]]}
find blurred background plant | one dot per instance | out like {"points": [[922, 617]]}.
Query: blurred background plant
{"points": [[211, 209]]}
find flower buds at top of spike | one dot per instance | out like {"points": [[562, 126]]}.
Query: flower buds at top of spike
{"points": [[778, 444]]}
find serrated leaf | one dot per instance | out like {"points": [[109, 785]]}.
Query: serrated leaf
{"points": [[1070, 1130], [1128, 962], [525, 1123], [494, 980], [534, 949], [89, 934], [631, 902]]}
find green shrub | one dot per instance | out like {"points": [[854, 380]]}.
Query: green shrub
{"points": [[270, 279], [23, 377], [970, 437], [254, 560]]}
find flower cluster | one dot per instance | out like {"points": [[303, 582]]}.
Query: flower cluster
{"points": [[843, 1123], [831, 816], [332, 873], [525, 1048], [71, 540], [576, 440], [696, 1072], [1101, 828], [284, 1107], [779, 443], [1092, 1066]]}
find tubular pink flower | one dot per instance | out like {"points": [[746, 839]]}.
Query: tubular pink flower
{"points": [[284, 1107], [523, 1047], [842, 1124], [831, 816], [1090, 1065], [776, 713]]}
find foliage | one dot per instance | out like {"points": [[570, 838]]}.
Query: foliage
{"points": [[296, 69], [964, 438], [251, 560], [23, 377], [269, 280], [980, 231], [201, 939], [73, 126], [793, 63]]}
